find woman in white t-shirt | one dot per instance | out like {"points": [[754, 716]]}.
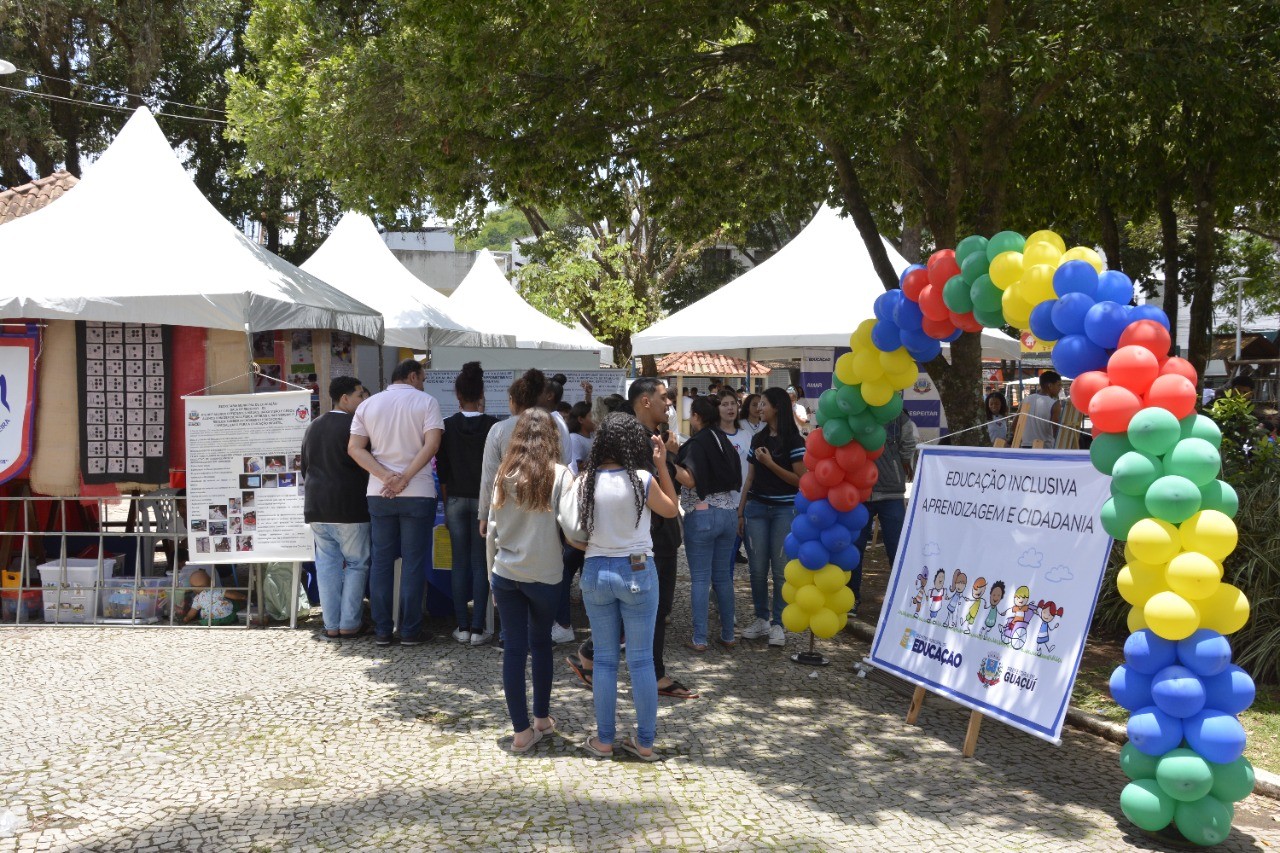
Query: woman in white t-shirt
{"points": [[619, 580], [751, 421]]}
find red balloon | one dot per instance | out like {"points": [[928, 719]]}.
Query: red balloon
{"points": [[865, 477], [1179, 367], [1084, 386], [873, 455], [843, 496], [966, 321], [1174, 392], [1113, 407], [828, 472], [1133, 367], [1149, 335], [936, 329], [932, 306], [942, 266], [914, 283], [851, 456], [811, 488], [863, 496]]}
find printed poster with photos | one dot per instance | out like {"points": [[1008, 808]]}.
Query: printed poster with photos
{"points": [[244, 478], [124, 402]]}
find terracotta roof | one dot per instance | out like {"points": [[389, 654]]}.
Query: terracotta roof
{"points": [[28, 198], [707, 364], [1252, 345]]}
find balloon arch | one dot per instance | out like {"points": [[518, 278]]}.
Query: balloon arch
{"points": [[1184, 754]]}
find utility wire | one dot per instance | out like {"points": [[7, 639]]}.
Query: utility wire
{"points": [[110, 107], [117, 92]]}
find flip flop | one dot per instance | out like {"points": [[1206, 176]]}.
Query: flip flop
{"points": [[598, 753], [583, 674], [550, 730], [696, 648], [676, 690], [632, 746], [533, 741], [359, 632], [727, 645]]}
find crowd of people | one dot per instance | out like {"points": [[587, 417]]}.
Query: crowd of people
{"points": [[606, 488]]}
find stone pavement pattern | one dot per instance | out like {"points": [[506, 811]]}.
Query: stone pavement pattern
{"points": [[120, 739]]}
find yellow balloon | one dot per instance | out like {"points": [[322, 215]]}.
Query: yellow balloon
{"points": [[1134, 584], [861, 336], [1226, 610], [1128, 554], [877, 392], [810, 599], [1171, 616], [902, 380], [1136, 620], [1193, 576], [845, 371], [897, 361], [1153, 540], [1037, 284], [794, 619], [1017, 311], [788, 593], [1040, 253], [1006, 269], [829, 578], [1083, 253], [866, 363], [1210, 532], [796, 574], [824, 624], [844, 620], [840, 600], [1047, 236]]}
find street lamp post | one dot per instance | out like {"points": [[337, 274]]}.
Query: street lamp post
{"points": [[7, 67]]}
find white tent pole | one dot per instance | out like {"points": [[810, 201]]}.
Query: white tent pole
{"points": [[248, 345]]}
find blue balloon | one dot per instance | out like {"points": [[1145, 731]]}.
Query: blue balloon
{"points": [[836, 538], [1178, 692], [1148, 312], [1148, 653], [1042, 321], [821, 513], [907, 272], [1230, 691], [791, 546], [1075, 277], [1153, 732], [914, 339], [1205, 652], [1114, 286], [855, 519], [1104, 322], [1069, 311], [908, 316], [1076, 354], [848, 559], [802, 503], [804, 529], [886, 336], [927, 352], [1217, 736], [886, 303], [813, 556], [951, 337], [1131, 689]]}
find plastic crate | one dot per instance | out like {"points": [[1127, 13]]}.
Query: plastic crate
{"points": [[29, 600], [72, 596], [120, 596]]}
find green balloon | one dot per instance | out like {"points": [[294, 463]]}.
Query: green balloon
{"points": [[1146, 805], [828, 406], [985, 295], [955, 293], [863, 423], [1196, 459], [989, 319], [1154, 431], [1206, 821], [1120, 513], [889, 411], [1005, 241], [1173, 498], [1134, 472], [1106, 449], [1232, 782], [1184, 775], [849, 400], [974, 267], [969, 245], [837, 432], [1136, 764], [1199, 426], [873, 440], [1220, 496]]}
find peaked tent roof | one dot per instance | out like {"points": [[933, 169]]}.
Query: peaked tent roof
{"points": [[355, 260], [486, 297], [812, 293], [137, 242]]}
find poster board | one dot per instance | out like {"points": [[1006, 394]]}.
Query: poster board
{"points": [[1016, 529], [17, 402], [439, 384], [244, 483]]}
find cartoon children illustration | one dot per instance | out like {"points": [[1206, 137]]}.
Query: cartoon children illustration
{"points": [[995, 596], [1048, 612], [958, 582], [975, 595], [922, 580], [937, 595], [1018, 615]]}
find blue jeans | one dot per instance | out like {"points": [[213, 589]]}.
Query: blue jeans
{"points": [[709, 535], [572, 565], [527, 611], [342, 567], [470, 578], [892, 512], [617, 598], [400, 527], [767, 526]]}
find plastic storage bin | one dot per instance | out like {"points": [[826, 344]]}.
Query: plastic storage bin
{"points": [[73, 596], [119, 597], [29, 600]]}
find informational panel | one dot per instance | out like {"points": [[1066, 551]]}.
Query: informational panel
{"points": [[244, 478], [995, 581], [124, 402], [17, 402], [816, 365], [923, 405], [439, 384]]}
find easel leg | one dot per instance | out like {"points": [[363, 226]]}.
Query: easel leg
{"points": [[917, 702], [971, 734]]}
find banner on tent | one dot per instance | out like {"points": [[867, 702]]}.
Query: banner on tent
{"points": [[995, 581], [439, 384], [816, 367], [18, 402], [244, 478]]}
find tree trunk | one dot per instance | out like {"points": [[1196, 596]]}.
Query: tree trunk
{"points": [[1110, 234], [1203, 185], [1172, 260]]}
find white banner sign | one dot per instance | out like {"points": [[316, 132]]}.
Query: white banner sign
{"points": [[17, 403], [995, 581], [439, 384], [244, 478]]}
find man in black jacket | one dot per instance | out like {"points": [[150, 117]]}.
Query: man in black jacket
{"points": [[335, 507]]}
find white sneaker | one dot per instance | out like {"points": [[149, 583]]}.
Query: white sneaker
{"points": [[777, 637], [561, 634], [756, 630], [481, 639], [462, 635]]}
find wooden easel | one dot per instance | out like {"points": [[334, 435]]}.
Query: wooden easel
{"points": [[970, 734]]}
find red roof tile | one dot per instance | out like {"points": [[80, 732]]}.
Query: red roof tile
{"points": [[707, 364], [28, 198]]}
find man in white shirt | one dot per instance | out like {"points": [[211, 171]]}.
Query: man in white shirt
{"points": [[394, 436]]}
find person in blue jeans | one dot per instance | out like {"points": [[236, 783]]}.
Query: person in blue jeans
{"points": [[616, 498], [709, 473], [888, 496], [768, 507]]}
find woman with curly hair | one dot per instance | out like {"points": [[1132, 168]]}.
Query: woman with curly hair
{"points": [[619, 580]]}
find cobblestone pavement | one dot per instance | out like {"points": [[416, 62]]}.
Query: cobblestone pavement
{"points": [[188, 739]]}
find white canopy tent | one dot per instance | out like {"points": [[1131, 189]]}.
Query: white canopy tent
{"points": [[486, 299], [355, 260], [136, 242], [813, 293]]}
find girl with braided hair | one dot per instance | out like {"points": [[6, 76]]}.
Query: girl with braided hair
{"points": [[619, 579]]}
